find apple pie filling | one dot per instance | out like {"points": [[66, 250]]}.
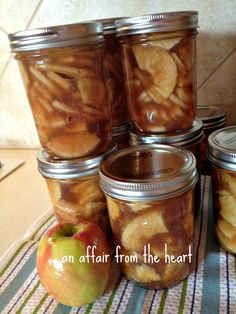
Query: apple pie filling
{"points": [[79, 199], [150, 200], [160, 80], [224, 200], [153, 231], [67, 93]]}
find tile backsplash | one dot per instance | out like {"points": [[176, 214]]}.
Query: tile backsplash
{"points": [[216, 52]]}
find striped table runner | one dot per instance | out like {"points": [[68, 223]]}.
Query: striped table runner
{"points": [[211, 288]]}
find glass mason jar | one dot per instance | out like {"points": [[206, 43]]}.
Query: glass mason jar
{"points": [[190, 139], [115, 82], [222, 155], [213, 118], [149, 191], [158, 54], [62, 70], [74, 188], [120, 135]]}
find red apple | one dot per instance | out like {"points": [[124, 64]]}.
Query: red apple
{"points": [[73, 263]]}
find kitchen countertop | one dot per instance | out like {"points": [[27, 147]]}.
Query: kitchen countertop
{"points": [[23, 197]]}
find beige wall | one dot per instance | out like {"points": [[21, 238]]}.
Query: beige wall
{"points": [[216, 51]]}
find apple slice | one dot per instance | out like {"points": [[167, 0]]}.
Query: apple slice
{"points": [[66, 146], [227, 228], [228, 243], [228, 208], [142, 273], [92, 91], [142, 227], [160, 64], [166, 43]]}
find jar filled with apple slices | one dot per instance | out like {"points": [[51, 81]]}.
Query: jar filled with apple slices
{"points": [[62, 71], [222, 156], [150, 196], [158, 54], [74, 188]]}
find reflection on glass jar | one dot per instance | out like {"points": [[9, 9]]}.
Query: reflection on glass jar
{"points": [[222, 155], [158, 54], [114, 73], [62, 71], [74, 189], [150, 196], [213, 118]]}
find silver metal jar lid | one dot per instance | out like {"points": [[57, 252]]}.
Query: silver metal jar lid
{"points": [[211, 116], [185, 138], [222, 147], [148, 172], [70, 169], [108, 24], [159, 22], [56, 36]]}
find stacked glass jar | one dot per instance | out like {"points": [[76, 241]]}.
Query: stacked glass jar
{"points": [[158, 53], [159, 60], [62, 71], [150, 188], [222, 156]]}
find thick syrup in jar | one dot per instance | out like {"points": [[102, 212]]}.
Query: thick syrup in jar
{"points": [[150, 199], [224, 202], [67, 93], [115, 80], [79, 199], [161, 229], [160, 80]]}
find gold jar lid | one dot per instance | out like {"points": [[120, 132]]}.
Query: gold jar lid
{"points": [[148, 172]]}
